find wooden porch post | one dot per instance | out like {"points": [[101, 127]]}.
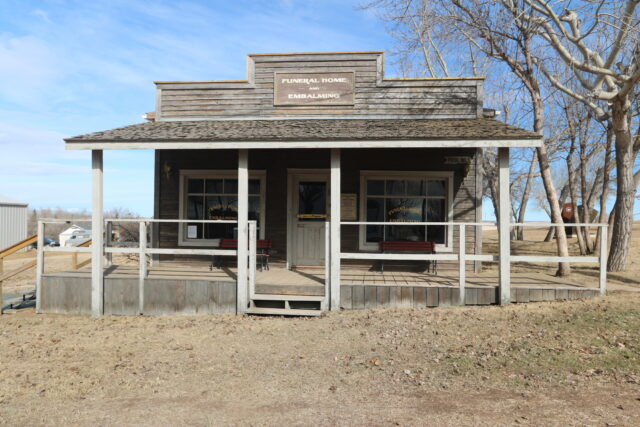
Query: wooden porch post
{"points": [[334, 239], [503, 226], [97, 236], [243, 218]]}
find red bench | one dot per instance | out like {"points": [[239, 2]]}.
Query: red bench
{"points": [[262, 247], [414, 247]]}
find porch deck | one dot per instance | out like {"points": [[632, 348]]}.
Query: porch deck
{"points": [[310, 281]]}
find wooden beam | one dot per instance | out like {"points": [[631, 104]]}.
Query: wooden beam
{"points": [[226, 145], [142, 265], [39, 265], [252, 257], [97, 235], [604, 246], [18, 270], [335, 231], [504, 206], [20, 245], [243, 217], [324, 305], [461, 264]]}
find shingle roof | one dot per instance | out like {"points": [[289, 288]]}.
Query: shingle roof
{"points": [[309, 130]]}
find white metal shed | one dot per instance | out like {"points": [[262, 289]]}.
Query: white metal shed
{"points": [[13, 221]]}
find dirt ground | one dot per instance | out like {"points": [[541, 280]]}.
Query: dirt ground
{"points": [[555, 363]]}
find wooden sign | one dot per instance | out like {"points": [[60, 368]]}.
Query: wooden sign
{"points": [[314, 88], [348, 207]]}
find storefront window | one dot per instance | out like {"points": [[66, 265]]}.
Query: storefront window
{"points": [[216, 198], [406, 200]]}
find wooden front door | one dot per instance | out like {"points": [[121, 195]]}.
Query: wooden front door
{"points": [[310, 207]]}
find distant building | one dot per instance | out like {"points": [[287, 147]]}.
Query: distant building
{"points": [[13, 221], [74, 236]]}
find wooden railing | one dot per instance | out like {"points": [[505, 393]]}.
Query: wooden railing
{"points": [[462, 257], [12, 250], [143, 250]]}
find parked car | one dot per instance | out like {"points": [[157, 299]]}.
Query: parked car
{"points": [[47, 242]]}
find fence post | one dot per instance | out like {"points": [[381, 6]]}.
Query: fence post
{"points": [[603, 259], [327, 265], [39, 265], [108, 236], [142, 263], [462, 264], [1, 272], [252, 258]]}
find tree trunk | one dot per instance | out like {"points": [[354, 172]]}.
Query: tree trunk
{"points": [[525, 196], [625, 191], [605, 188], [572, 188]]}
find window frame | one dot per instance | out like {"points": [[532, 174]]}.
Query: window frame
{"points": [[186, 174], [365, 175]]}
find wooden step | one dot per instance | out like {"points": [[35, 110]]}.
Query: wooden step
{"points": [[283, 311], [283, 297]]}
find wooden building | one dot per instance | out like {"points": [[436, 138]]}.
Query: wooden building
{"points": [[323, 157]]}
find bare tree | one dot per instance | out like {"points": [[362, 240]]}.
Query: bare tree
{"points": [[598, 43]]}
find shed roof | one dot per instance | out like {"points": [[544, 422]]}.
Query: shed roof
{"points": [[292, 132], [8, 201]]}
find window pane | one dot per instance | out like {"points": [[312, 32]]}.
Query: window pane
{"points": [[216, 207], [415, 187], [375, 212], [312, 201], [220, 231], [375, 187], [396, 187], [435, 210], [195, 185], [436, 188], [405, 210], [254, 209], [214, 186], [436, 213], [405, 233], [254, 186], [231, 186], [194, 207]]}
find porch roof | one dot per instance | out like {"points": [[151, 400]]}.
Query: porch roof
{"points": [[309, 133]]}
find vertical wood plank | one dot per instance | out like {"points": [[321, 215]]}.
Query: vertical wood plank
{"points": [[242, 299], [39, 265], [97, 235], [419, 297], [327, 269], [335, 229], [345, 297], [471, 297], [252, 257], [142, 264], [432, 297], [370, 297], [358, 297], [444, 297], [602, 284], [461, 264], [383, 293], [395, 296], [535, 295], [503, 227], [407, 296]]}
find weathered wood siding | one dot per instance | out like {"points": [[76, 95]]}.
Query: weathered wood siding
{"points": [[375, 96], [276, 164], [65, 294]]}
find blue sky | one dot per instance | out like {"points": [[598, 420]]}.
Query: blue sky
{"points": [[72, 67]]}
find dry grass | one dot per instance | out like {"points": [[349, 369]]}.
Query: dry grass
{"points": [[560, 363], [571, 363]]}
